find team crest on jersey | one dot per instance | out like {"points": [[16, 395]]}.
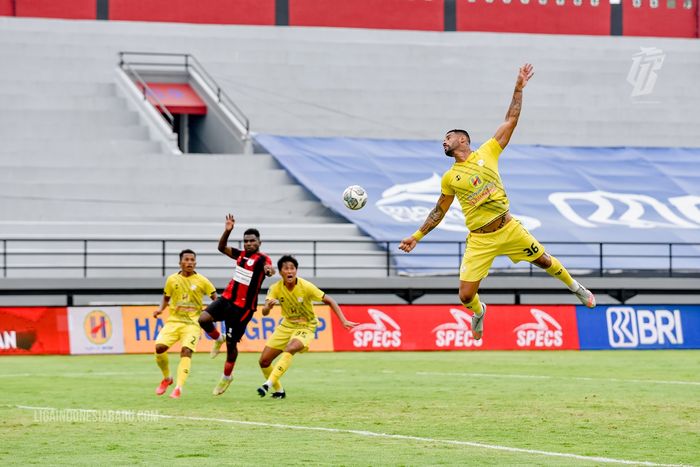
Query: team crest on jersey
{"points": [[250, 262], [475, 180], [480, 162]]}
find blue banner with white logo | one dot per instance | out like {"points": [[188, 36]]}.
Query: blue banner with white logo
{"points": [[561, 194], [638, 327]]}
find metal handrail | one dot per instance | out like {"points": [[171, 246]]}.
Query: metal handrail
{"points": [[86, 253], [189, 62], [148, 92]]}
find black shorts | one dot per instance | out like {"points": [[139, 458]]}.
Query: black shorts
{"points": [[234, 317]]}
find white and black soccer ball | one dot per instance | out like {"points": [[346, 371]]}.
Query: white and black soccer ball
{"points": [[355, 197]]}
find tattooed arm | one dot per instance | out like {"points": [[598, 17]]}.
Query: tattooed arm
{"points": [[505, 131], [434, 218]]}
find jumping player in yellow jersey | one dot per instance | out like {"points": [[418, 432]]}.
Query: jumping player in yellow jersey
{"points": [[475, 181], [182, 294], [298, 327]]}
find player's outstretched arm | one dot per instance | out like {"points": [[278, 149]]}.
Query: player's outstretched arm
{"points": [[223, 241], [505, 131], [434, 218], [328, 300]]}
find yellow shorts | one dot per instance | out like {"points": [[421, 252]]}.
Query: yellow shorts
{"points": [[283, 334], [513, 241], [187, 334]]}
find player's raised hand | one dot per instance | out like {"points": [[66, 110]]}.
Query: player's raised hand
{"points": [[408, 244], [229, 222], [269, 270], [524, 74]]}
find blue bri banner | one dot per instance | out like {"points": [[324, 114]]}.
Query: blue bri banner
{"points": [[638, 327], [560, 194]]}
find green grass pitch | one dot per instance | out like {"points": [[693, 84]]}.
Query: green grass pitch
{"points": [[402, 408]]}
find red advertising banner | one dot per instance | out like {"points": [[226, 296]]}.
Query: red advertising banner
{"points": [[444, 327], [423, 15], [36, 330]]}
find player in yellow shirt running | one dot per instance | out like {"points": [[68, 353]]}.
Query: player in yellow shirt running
{"points": [[182, 294], [298, 327], [475, 181]]}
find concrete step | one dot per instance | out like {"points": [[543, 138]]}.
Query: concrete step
{"points": [[183, 193], [144, 175], [103, 74], [67, 130], [311, 228], [35, 86], [224, 163], [63, 117], [57, 208], [21, 102], [67, 151]]}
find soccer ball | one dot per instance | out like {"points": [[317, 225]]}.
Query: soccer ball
{"points": [[355, 197]]}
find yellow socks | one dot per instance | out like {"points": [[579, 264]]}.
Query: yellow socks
{"points": [[266, 373], [183, 370], [162, 361], [474, 305], [280, 367], [557, 271]]}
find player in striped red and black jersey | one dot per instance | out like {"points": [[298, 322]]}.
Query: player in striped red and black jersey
{"points": [[240, 299]]}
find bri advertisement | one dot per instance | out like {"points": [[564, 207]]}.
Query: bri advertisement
{"points": [[639, 327]]}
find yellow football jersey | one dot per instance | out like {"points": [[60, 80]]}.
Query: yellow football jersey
{"points": [[186, 296], [477, 185], [297, 304]]}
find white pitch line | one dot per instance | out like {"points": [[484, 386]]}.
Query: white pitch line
{"points": [[373, 434], [575, 378]]}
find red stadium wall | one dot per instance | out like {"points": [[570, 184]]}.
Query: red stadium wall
{"points": [[425, 15], [663, 18], [666, 18], [202, 11], [69, 9], [589, 17], [7, 8]]}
